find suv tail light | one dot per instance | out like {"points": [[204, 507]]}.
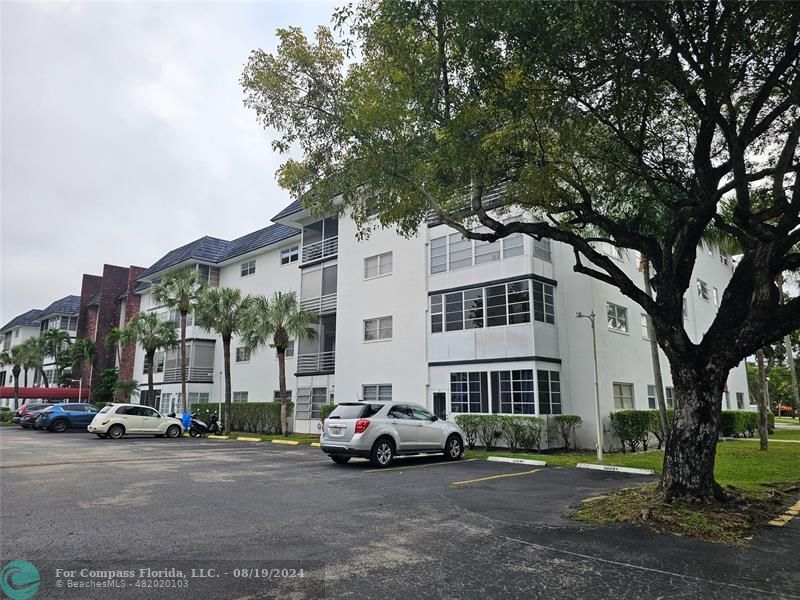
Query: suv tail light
{"points": [[361, 425]]}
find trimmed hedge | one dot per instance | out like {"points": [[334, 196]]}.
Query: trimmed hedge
{"points": [[518, 432], [632, 427], [6, 416], [469, 425], [566, 426], [741, 423], [250, 417]]}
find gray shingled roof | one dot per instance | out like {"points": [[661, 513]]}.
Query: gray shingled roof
{"points": [[258, 239], [68, 305], [206, 249], [294, 207], [26, 318], [140, 286]]}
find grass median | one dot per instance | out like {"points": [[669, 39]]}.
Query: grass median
{"points": [[304, 439]]}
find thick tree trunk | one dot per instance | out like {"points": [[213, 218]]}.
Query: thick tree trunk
{"points": [[282, 384], [226, 357], [45, 381], [763, 434], [15, 372], [25, 377], [691, 447], [150, 391], [184, 398]]}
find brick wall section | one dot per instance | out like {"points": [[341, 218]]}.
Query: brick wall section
{"points": [[115, 282], [87, 318], [132, 302]]}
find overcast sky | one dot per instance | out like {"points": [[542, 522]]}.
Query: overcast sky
{"points": [[124, 135]]}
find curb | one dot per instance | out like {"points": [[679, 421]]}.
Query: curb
{"points": [[517, 461], [218, 437], [248, 439], [315, 444], [286, 442], [615, 469]]}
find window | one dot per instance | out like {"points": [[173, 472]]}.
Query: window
{"points": [[544, 306], [208, 274], [515, 392], [196, 398], [668, 397], [469, 392], [740, 400], [549, 383], [277, 396], [623, 396], [486, 252], [144, 398], [248, 268], [723, 258], [541, 249], [239, 397], [69, 323], [513, 245], [460, 251], [400, 412], [290, 255], [16, 333], [242, 354], [436, 313], [309, 402], [651, 397], [378, 329], [159, 359], [374, 266], [438, 255], [702, 290], [376, 393], [715, 292], [645, 333], [617, 318]]}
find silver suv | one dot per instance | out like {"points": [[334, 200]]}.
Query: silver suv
{"points": [[382, 430]]}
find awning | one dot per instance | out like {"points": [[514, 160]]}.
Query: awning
{"points": [[45, 393]]}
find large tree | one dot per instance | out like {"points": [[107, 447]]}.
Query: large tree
{"points": [[13, 358], [642, 125], [153, 334], [180, 290], [275, 322], [223, 310]]}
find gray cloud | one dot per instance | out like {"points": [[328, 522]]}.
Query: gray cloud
{"points": [[124, 135]]}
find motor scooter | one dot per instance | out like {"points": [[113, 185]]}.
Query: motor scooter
{"points": [[200, 428]]}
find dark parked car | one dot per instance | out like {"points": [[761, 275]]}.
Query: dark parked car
{"points": [[61, 417], [26, 414]]}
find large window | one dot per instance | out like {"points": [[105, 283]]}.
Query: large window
{"points": [[460, 251], [310, 402], [378, 329], [492, 306], [740, 401], [239, 397], [454, 251], [277, 396], [513, 245], [549, 383], [645, 333], [374, 266], [515, 392], [290, 255], [438, 255], [242, 354], [541, 249], [208, 274], [623, 396], [159, 359], [702, 290], [651, 396], [248, 268], [668, 397], [379, 393], [197, 398], [617, 318], [469, 392], [69, 323]]}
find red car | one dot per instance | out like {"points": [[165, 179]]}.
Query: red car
{"points": [[26, 415]]}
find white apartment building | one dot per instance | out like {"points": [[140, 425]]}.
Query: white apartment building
{"points": [[60, 314], [457, 325]]}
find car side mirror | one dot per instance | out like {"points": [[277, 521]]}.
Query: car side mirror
{"points": [[434, 418]]}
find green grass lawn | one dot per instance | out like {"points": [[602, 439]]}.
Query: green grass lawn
{"points": [[738, 463], [787, 421], [786, 434], [303, 438]]}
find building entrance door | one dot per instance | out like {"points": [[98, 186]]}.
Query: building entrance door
{"points": [[440, 404]]}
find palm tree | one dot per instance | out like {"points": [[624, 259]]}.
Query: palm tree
{"points": [[30, 358], [13, 358], [275, 322], [126, 388], [112, 338], [152, 334], [38, 350], [56, 342], [180, 290], [222, 310], [83, 350]]}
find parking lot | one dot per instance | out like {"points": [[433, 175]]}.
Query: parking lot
{"points": [[423, 528]]}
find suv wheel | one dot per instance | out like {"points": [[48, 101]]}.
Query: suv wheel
{"points": [[453, 448], [382, 453], [59, 426]]}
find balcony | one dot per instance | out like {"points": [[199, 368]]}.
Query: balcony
{"points": [[322, 362], [195, 374], [321, 305], [327, 248]]}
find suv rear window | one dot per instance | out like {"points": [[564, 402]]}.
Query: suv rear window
{"points": [[105, 409], [352, 410]]}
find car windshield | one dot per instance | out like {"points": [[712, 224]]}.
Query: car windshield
{"points": [[353, 410]]}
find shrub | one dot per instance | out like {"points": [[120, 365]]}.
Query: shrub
{"points": [[325, 411], [532, 433], [655, 425], [520, 432], [489, 430], [469, 425], [5, 416], [251, 417], [566, 425], [100, 405], [632, 427]]}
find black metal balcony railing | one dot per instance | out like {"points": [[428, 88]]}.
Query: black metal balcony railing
{"points": [[321, 305], [322, 249], [199, 374], [322, 362]]}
